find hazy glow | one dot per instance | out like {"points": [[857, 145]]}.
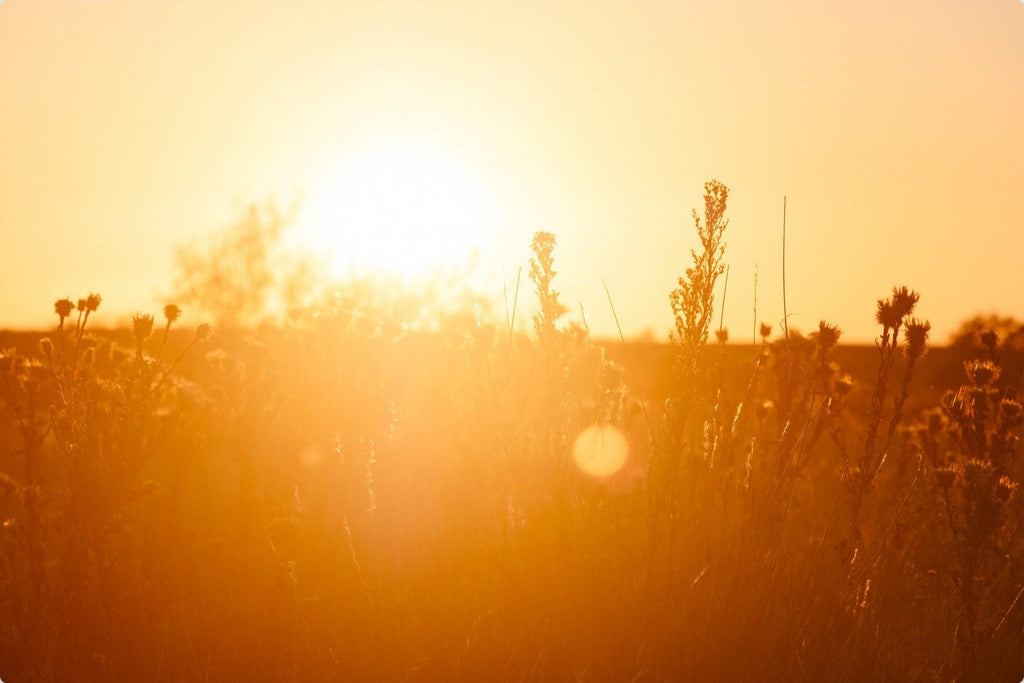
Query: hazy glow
{"points": [[893, 128], [600, 450], [400, 209]]}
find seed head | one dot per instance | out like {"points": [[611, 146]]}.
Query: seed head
{"points": [[142, 327], [171, 313], [978, 472], [202, 332], [827, 336], [945, 476], [892, 311], [81, 305], [1011, 411], [1005, 488], [766, 330], [981, 373], [722, 335], [63, 307], [954, 405], [92, 302], [886, 315], [46, 347], [904, 300], [917, 337]]}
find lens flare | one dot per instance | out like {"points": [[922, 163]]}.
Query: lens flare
{"points": [[600, 450]]}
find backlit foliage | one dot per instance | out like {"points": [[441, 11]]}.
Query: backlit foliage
{"points": [[386, 488]]}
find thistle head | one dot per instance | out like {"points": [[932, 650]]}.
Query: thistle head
{"points": [[827, 336], [981, 373], [893, 310], [1005, 488], [886, 315], [978, 473], [46, 347], [171, 313], [954, 406], [92, 302], [904, 300], [142, 327], [1011, 411], [917, 337], [63, 307], [946, 476], [765, 331]]}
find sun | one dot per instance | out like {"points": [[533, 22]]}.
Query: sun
{"points": [[399, 209]]}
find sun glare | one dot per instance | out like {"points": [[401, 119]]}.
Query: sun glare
{"points": [[401, 210], [600, 450]]}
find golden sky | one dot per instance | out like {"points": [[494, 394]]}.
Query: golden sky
{"points": [[895, 129]]}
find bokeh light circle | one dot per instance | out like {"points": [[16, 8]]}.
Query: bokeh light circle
{"points": [[600, 450]]}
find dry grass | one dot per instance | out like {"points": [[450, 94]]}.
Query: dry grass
{"points": [[358, 495]]}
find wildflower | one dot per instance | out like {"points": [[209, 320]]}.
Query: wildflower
{"points": [[92, 302], [1012, 415], [903, 301], [886, 315], [81, 305], [827, 336], [63, 307], [978, 472], [953, 404], [766, 331], [171, 313], [917, 337], [542, 273], [981, 373], [945, 476], [202, 332], [1005, 488], [46, 347], [142, 327], [722, 335]]}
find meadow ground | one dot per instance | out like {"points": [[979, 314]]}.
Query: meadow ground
{"points": [[351, 497]]}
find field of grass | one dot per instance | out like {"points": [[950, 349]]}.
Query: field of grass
{"points": [[350, 496]]}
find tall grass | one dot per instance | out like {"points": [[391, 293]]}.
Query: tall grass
{"points": [[359, 495]]}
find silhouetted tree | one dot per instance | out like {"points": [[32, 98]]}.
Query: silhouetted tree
{"points": [[238, 276]]}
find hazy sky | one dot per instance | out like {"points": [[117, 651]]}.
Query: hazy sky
{"points": [[896, 130]]}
